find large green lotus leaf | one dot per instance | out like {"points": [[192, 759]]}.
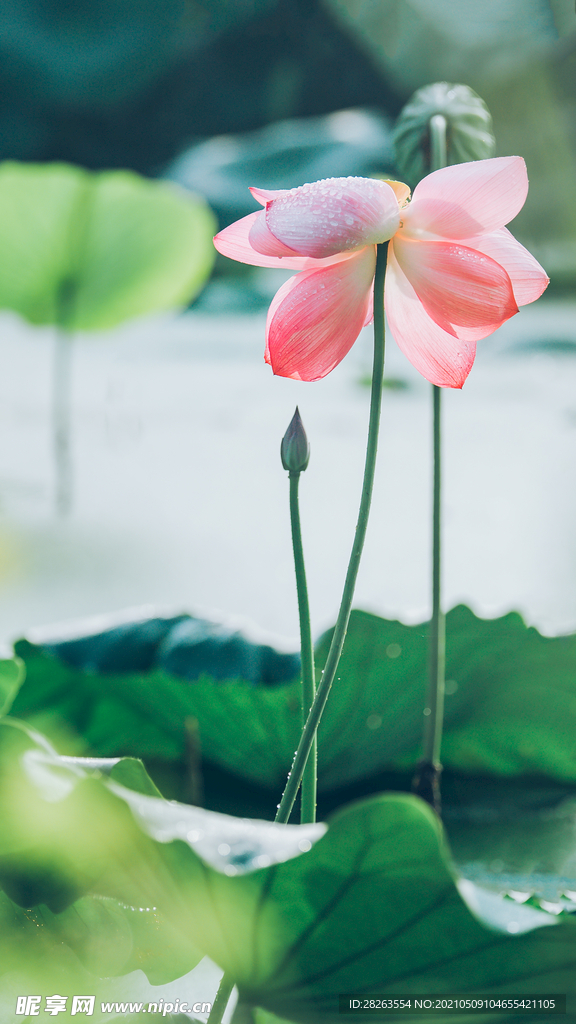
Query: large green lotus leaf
{"points": [[384, 670], [89, 251], [247, 729], [148, 248], [371, 907], [295, 914], [510, 705], [522, 716], [138, 714]]}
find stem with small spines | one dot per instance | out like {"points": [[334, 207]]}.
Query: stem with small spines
{"points": [[309, 778], [339, 635]]}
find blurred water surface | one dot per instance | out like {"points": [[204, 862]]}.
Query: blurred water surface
{"points": [[181, 500]]}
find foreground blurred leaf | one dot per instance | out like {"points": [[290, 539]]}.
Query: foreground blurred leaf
{"points": [[91, 250], [66, 835], [510, 705], [293, 915], [92, 879], [12, 674], [93, 938], [373, 908]]}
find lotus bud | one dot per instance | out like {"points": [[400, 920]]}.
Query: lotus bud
{"points": [[468, 129], [295, 450]]}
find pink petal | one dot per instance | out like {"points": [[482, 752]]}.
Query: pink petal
{"points": [[266, 195], [264, 241], [438, 356], [234, 242], [458, 286], [528, 278], [370, 311], [315, 318], [468, 199], [334, 215]]}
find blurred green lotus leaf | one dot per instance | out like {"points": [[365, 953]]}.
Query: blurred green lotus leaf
{"points": [[510, 705], [12, 674], [94, 938], [86, 892], [374, 908], [123, 878], [90, 250], [61, 826]]}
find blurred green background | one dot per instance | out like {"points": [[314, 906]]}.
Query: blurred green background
{"points": [[218, 95], [134, 83]]}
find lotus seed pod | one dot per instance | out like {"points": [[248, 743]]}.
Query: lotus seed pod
{"points": [[295, 450], [469, 129]]}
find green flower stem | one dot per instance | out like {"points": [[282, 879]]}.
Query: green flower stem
{"points": [[433, 734], [309, 779], [426, 781], [66, 298], [61, 391], [221, 1002], [309, 732]]}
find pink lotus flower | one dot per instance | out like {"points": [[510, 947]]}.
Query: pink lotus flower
{"points": [[454, 273]]}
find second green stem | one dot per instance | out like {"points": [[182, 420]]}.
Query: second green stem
{"points": [[426, 781], [435, 705]]}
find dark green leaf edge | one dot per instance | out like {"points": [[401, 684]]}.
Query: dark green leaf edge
{"points": [[510, 706]]}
